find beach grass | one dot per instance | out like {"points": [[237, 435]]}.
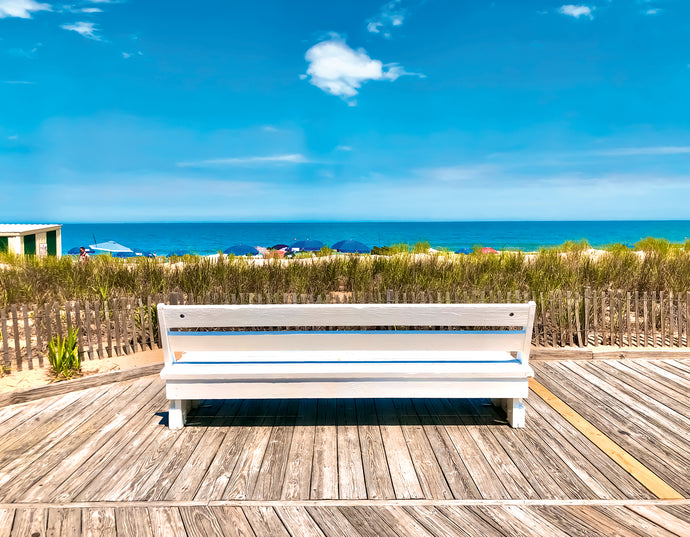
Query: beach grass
{"points": [[569, 267]]}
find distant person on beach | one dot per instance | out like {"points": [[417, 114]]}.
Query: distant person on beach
{"points": [[83, 256]]}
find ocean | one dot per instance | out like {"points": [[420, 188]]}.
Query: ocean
{"points": [[209, 238]]}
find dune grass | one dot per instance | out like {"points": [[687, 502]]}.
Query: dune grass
{"points": [[665, 266]]}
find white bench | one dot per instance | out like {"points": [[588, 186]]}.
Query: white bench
{"points": [[371, 350]]}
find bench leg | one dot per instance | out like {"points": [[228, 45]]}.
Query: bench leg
{"points": [[177, 414], [516, 413]]}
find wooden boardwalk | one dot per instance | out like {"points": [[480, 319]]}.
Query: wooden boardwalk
{"points": [[103, 462]]}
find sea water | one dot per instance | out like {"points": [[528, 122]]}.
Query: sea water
{"points": [[209, 238]]}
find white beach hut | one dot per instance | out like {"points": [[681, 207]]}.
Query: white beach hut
{"points": [[31, 239]]}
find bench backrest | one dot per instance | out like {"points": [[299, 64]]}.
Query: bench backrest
{"points": [[366, 327]]}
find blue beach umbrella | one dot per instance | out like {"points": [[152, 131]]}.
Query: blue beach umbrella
{"points": [[308, 245], [241, 249], [351, 247], [465, 251], [76, 251]]}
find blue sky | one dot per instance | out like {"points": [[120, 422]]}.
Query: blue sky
{"points": [[309, 110]]}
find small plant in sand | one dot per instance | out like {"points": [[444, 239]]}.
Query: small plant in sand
{"points": [[5, 370], [63, 356]]}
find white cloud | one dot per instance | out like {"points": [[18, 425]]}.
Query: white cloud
{"points": [[390, 15], [127, 55], [21, 8], [294, 158], [13, 137], [85, 29], [576, 11], [18, 82], [90, 10], [343, 148], [644, 151], [653, 11], [339, 70]]}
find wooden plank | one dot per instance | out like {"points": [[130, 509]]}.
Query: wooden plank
{"points": [[133, 521], [6, 519], [58, 320], [324, 477], [659, 453], [196, 466], [563, 522], [429, 473], [451, 462], [4, 333], [149, 321], [108, 329], [199, 521], [246, 471], [269, 483], [221, 468], [437, 523], [299, 466], [637, 318], [374, 465], [17, 345], [621, 313], [166, 522], [464, 518], [117, 333], [652, 314], [98, 522], [645, 319], [64, 522], [628, 313], [503, 520], [79, 322], [618, 454], [99, 330], [367, 524], [403, 475], [232, 521], [661, 518], [265, 522], [484, 476], [662, 316], [38, 323], [332, 522], [89, 332], [142, 325], [581, 342], [399, 520], [29, 522], [298, 522], [351, 484], [630, 522], [595, 319], [91, 381], [569, 327], [347, 315]]}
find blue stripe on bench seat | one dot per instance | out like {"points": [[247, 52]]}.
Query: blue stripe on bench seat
{"points": [[344, 332]]}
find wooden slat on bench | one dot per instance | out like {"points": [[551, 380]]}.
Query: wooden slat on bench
{"points": [[364, 341], [346, 315]]}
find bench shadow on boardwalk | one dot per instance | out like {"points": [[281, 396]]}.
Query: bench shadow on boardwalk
{"points": [[103, 462]]}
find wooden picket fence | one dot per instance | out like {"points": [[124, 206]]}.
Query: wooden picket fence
{"points": [[123, 326]]}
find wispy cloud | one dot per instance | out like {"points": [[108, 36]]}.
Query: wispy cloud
{"points": [[127, 55], [652, 11], [85, 29], [391, 15], [339, 70], [19, 82], [294, 158], [343, 148], [643, 151], [576, 11], [21, 8]]}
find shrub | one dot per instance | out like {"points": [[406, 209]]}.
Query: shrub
{"points": [[421, 247], [63, 356], [5, 370]]}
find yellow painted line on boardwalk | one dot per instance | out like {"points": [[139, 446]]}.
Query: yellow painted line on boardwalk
{"points": [[621, 457]]}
